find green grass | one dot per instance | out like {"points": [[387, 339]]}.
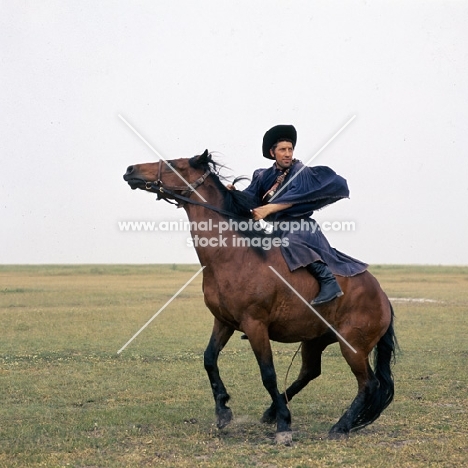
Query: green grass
{"points": [[69, 400]]}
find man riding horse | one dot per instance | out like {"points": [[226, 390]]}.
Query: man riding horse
{"points": [[269, 308], [286, 194]]}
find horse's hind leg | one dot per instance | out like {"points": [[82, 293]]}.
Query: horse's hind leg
{"points": [[219, 337], [375, 389], [357, 415], [311, 352]]}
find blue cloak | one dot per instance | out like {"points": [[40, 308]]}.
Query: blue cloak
{"points": [[309, 189]]}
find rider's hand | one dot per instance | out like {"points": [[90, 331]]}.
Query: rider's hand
{"points": [[265, 210]]}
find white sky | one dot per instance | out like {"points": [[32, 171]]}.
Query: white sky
{"points": [[191, 75]]}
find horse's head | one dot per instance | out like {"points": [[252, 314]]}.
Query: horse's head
{"points": [[166, 177]]}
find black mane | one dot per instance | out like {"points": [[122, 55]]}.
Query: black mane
{"points": [[238, 204], [234, 201]]}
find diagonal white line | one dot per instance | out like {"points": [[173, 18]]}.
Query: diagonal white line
{"points": [[313, 157], [315, 312], [158, 154], [160, 310]]}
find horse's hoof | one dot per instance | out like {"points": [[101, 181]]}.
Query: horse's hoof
{"points": [[268, 418], [224, 418], [338, 435], [283, 438]]}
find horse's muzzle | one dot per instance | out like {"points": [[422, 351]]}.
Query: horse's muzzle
{"points": [[133, 180]]}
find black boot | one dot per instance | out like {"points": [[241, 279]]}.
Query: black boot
{"points": [[329, 288]]}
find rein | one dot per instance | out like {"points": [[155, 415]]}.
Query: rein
{"points": [[158, 187], [162, 192]]}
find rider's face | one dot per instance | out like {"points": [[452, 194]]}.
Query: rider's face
{"points": [[283, 154]]}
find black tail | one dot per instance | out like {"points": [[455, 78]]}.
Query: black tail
{"points": [[384, 358], [380, 392]]}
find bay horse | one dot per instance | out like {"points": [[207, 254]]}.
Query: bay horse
{"points": [[244, 294]]}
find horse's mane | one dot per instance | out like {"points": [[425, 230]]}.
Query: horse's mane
{"points": [[236, 202]]}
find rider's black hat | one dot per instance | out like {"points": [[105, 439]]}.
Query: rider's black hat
{"points": [[276, 134]]}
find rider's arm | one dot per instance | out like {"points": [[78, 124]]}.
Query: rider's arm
{"points": [[266, 210]]}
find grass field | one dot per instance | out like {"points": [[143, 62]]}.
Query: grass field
{"points": [[68, 399]]}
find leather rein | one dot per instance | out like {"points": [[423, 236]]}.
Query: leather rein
{"points": [[162, 192]]}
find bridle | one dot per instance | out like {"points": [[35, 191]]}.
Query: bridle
{"points": [[164, 191]]}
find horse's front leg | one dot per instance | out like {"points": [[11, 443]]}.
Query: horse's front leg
{"points": [[311, 368], [219, 337], [260, 342]]}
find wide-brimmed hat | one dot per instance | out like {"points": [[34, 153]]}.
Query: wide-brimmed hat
{"points": [[275, 134]]}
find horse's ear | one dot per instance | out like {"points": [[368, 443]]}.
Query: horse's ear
{"points": [[201, 159], [205, 157]]}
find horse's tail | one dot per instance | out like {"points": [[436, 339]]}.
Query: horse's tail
{"points": [[384, 357], [381, 392]]}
